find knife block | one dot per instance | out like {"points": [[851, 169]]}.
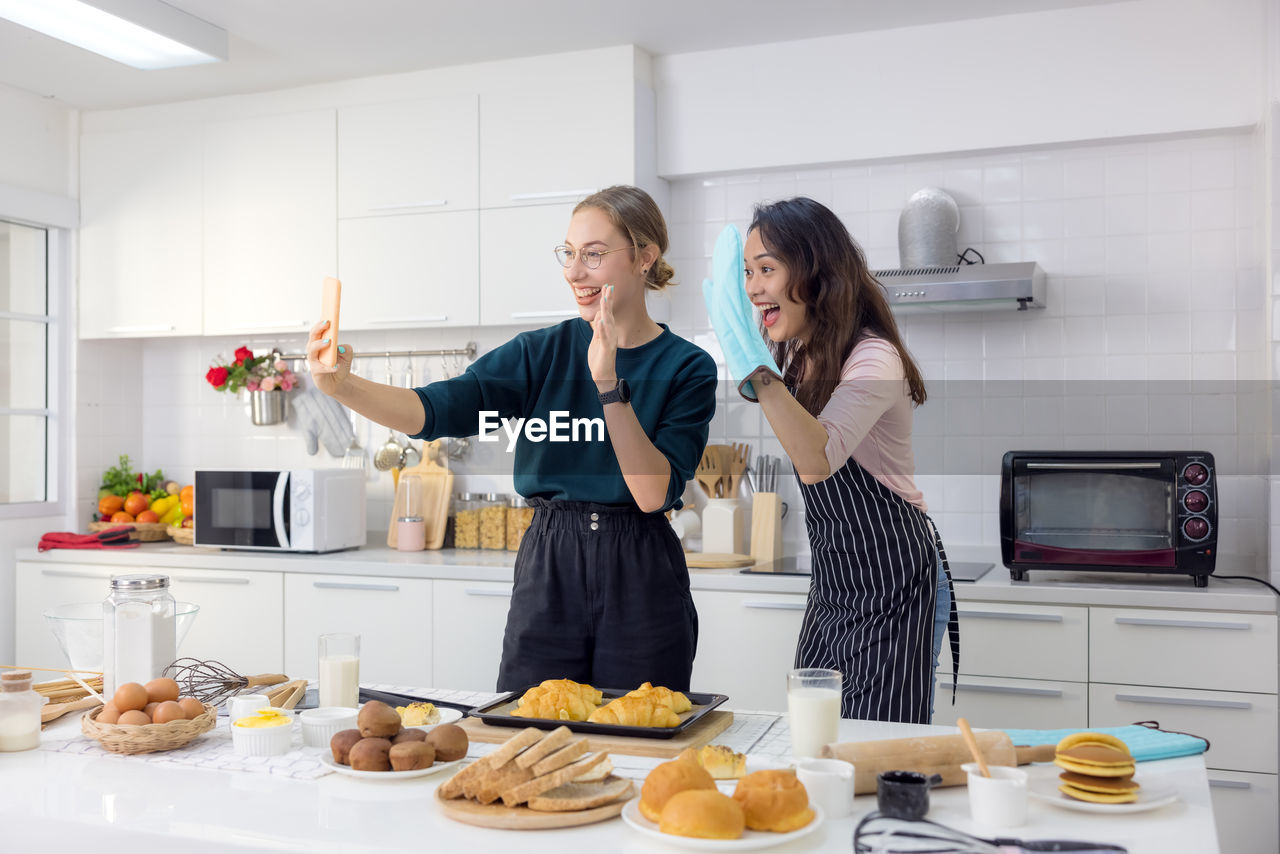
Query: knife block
{"points": [[766, 526]]}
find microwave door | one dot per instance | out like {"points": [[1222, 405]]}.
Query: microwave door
{"points": [[242, 509], [279, 508]]}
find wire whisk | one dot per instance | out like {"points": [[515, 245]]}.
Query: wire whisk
{"points": [[880, 834], [212, 681]]}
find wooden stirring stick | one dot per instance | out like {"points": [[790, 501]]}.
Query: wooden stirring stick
{"points": [[973, 746]]}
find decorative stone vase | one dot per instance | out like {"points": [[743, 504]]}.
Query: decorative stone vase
{"points": [[268, 407]]}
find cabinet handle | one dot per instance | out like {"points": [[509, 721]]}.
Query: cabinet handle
{"points": [[1229, 784], [1181, 624], [1095, 466], [433, 203], [1011, 615], [273, 324], [1185, 701], [485, 591], [437, 318], [339, 585], [68, 573], [152, 327], [190, 580], [1009, 689], [551, 194], [775, 606], [522, 314]]}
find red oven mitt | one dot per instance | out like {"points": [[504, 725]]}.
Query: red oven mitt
{"points": [[112, 538]]}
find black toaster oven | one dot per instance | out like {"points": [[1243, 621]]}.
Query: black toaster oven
{"points": [[1119, 511]]}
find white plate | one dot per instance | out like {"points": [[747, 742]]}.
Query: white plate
{"points": [[447, 716], [751, 839], [1149, 798], [326, 759]]}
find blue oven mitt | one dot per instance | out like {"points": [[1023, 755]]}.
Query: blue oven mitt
{"points": [[732, 316]]}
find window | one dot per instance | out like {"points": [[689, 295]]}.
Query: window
{"points": [[25, 434]]}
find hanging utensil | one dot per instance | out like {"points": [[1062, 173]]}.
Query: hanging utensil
{"points": [[388, 456]]}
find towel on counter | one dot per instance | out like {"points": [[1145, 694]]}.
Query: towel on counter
{"points": [[112, 538], [1145, 739], [325, 420]]}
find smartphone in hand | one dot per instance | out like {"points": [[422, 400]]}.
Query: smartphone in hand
{"points": [[329, 311]]}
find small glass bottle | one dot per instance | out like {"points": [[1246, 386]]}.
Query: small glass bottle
{"points": [[493, 521], [466, 521], [139, 630], [519, 516], [19, 712]]}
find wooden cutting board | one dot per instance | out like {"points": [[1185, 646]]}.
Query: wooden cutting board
{"points": [[522, 818], [706, 729], [716, 560], [432, 484]]}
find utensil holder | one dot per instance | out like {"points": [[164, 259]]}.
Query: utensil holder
{"points": [[766, 526], [268, 407], [723, 527]]}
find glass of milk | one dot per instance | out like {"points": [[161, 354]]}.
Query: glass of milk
{"points": [[340, 670], [813, 706]]}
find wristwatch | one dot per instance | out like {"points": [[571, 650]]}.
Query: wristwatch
{"points": [[621, 393]]}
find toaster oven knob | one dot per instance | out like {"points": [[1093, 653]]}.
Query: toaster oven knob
{"points": [[1196, 501], [1195, 529], [1195, 474]]}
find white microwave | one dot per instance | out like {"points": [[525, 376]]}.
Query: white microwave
{"points": [[299, 510]]}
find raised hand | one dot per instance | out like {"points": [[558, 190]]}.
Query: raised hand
{"points": [[327, 379], [602, 355], [732, 317]]}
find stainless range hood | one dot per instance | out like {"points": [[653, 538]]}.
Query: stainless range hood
{"points": [[984, 287]]}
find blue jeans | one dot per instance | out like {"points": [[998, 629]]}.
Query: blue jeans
{"points": [[941, 615]]}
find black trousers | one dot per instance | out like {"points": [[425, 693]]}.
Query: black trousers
{"points": [[601, 596]]}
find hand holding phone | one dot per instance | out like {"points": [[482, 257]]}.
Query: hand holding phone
{"points": [[329, 304]]}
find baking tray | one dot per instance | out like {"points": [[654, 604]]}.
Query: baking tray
{"points": [[498, 713]]}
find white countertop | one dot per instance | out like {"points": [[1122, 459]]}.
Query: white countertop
{"points": [[1121, 590], [106, 804]]}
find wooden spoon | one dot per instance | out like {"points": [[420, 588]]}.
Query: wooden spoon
{"points": [[708, 473], [973, 746]]}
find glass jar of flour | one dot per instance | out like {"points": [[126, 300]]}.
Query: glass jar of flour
{"points": [[139, 630]]}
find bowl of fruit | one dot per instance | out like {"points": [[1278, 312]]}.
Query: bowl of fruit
{"points": [[148, 504]]}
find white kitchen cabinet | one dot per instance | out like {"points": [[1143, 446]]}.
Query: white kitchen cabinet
{"points": [[387, 613], [140, 236], [746, 645], [1012, 703], [408, 157], [467, 625], [39, 586], [270, 224], [1021, 641], [410, 271], [1244, 809], [520, 280], [241, 617]]}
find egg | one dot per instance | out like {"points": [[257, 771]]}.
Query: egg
{"points": [[150, 709], [129, 697], [168, 711], [162, 689], [133, 717], [109, 714], [192, 707]]}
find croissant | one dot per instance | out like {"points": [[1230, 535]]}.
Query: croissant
{"points": [[586, 692], [674, 700], [635, 711], [558, 705]]}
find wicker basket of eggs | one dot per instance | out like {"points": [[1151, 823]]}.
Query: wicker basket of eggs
{"points": [[148, 718]]}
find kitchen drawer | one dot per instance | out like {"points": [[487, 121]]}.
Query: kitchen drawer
{"points": [[42, 585], [1241, 728], [1183, 649], [1021, 641], [240, 617], [389, 614], [746, 645], [1245, 810], [468, 622], [1011, 703]]}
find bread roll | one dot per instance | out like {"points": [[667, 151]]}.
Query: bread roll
{"points": [[702, 813], [668, 779], [774, 800]]}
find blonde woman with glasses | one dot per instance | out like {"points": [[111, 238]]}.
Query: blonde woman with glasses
{"points": [[601, 587]]}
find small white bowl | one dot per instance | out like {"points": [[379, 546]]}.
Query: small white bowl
{"points": [[320, 725], [262, 741]]}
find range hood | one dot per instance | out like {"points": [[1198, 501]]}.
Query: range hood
{"points": [[984, 287]]}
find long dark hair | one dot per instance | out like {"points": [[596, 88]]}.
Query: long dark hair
{"points": [[827, 272]]}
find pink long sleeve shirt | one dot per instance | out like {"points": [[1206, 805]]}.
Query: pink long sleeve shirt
{"points": [[868, 418]]}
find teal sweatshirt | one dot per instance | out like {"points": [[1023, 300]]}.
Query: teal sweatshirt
{"points": [[541, 373]]}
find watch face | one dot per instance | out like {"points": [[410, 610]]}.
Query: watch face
{"points": [[624, 391]]}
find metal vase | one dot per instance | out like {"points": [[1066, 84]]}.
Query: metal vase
{"points": [[268, 407]]}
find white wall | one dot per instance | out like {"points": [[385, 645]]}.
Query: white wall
{"points": [[1096, 72]]}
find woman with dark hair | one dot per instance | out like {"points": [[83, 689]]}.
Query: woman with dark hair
{"points": [[838, 387], [601, 590]]}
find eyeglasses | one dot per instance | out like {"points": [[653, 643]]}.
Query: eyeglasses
{"points": [[590, 257]]}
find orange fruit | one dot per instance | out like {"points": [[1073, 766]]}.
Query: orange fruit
{"points": [[188, 504], [147, 516], [136, 503], [121, 516], [188, 492], [109, 504]]}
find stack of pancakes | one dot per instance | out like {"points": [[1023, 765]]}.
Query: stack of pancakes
{"points": [[1096, 768]]}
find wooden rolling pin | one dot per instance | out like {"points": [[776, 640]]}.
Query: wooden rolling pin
{"points": [[933, 754]]}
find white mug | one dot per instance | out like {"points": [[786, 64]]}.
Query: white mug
{"points": [[244, 705], [999, 800], [829, 783]]}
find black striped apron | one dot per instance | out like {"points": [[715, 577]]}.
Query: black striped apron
{"points": [[872, 596]]}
